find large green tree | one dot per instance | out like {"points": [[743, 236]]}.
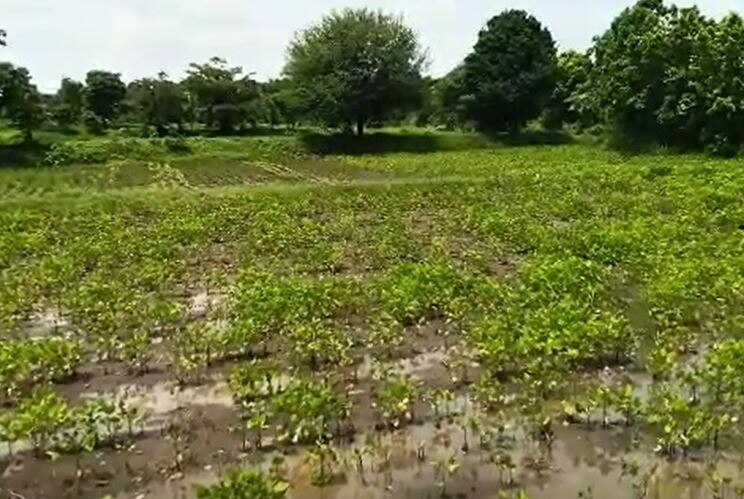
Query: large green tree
{"points": [[509, 76], [723, 87], [567, 103], [282, 103], [20, 101], [157, 102], [68, 103], [104, 94], [356, 66], [672, 76], [221, 95]]}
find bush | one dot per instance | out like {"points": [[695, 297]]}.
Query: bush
{"points": [[93, 123], [176, 145]]}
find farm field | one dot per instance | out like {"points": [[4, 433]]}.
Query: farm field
{"points": [[539, 321]]}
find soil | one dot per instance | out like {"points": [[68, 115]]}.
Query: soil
{"points": [[187, 438]]}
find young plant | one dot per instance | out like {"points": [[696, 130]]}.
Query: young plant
{"points": [[395, 400], [323, 459], [240, 484]]}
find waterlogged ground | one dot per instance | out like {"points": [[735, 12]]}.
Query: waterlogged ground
{"points": [[555, 322]]}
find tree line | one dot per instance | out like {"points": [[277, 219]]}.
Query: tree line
{"points": [[659, 75]]}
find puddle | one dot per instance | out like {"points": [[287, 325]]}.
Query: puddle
{"points": [[45, 323], [400, 465], [158, 402], [416, 367], [202, 303]]}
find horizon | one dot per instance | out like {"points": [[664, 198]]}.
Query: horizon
{"points": [[140, 39]]}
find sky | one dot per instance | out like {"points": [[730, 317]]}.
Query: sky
{"points": [[138, 38]]}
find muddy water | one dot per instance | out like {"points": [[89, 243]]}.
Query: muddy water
{"points": [[400, 466], [45, 323]]}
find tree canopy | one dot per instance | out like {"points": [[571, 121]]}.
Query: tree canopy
{"points": [[509, 76], [157, 102], [567, 102], [69, 102], [20, 101], [221, 94], [356, 66], [659, 75], [104, 93], [670, 75]]}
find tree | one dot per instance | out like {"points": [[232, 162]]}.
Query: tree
{"points": [[282, 103], [20, 101], [67, 105], [104, 94], [221, 95], [567, 101], [3, 34], [723, 130], [447, 93], [671, 76], [356, 66], [157, 102], [509, 75]]}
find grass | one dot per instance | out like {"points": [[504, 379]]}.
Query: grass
{"points": [[551, 266]]}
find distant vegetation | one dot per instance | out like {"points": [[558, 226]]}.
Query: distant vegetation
{"points": [[659, 76]]}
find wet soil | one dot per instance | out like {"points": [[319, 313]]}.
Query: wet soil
{"points": [[188, 437]]}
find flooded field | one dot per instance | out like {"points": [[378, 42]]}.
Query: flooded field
{"points": [[526, 325]]}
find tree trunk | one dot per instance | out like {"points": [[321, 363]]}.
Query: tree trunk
{"points": [[28, 135], [360, 127]]}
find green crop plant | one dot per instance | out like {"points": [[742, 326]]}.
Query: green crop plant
{"points": [[679, 425], [255, 380], [440, 401], [40, 419], [264, 306], [556, 311], [415, 293], [195, 348], [444, 470], [557, 269], [52, 425], [255, 417], [395, 400], [240, 483], [318, 345], [627, 403], [308, 411], [386, 336], [27, 363], [323, 458]]}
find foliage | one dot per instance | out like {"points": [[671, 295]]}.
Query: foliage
{"points": [[664, 74], [104, 94], [525, 328], [306, 411], [567, 104], [26, 363], [245, 484], [158, 102], [414, 293], [355, 67], [52, 425], [220, 94], [20, 101], [553, 267], [68, 103], [395, 399], [509, 75]]}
